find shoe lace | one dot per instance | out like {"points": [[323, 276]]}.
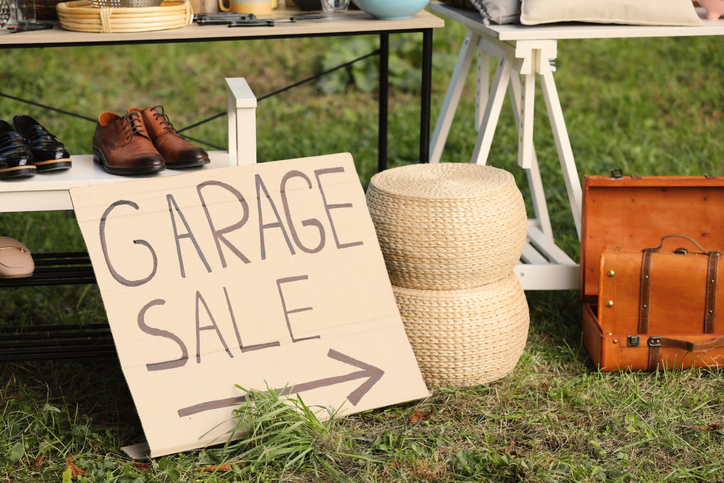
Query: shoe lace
{"points": [[162, 118], [133, 125]]}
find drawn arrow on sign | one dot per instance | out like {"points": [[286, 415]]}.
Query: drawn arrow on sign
{"points": [[370, 372]]}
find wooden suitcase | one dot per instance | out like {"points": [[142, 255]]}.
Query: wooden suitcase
{"points": [[627, 262]]}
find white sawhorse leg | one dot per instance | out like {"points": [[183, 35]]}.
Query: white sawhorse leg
{"points": [[241, 118], [543, 265], [452, 97], [560, 134]]}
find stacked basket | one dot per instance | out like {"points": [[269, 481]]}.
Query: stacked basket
{"points": [[124, 16], [450, 235]]}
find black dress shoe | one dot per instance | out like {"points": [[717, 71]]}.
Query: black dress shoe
{"points": [[16, 159], [48, 153]]}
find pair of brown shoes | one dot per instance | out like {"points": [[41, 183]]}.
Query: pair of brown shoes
{"points": [[142, 141]]}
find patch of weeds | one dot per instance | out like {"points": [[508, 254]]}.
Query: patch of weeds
{"points": [[284, 433], [491, 466]]}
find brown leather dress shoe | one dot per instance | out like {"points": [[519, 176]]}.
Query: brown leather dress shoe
{"points": [[177, 151], [122, 145]]}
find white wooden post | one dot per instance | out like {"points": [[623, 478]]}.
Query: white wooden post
{"points": [[241, 112], [535, 183], [560, 134], [452, 96], [483, 87], [493, 106]]}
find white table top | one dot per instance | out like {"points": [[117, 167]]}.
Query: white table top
{"points": [[353, 22], [574, 30]]}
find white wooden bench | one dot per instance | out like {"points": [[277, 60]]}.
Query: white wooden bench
{"points": [[528, 51]]}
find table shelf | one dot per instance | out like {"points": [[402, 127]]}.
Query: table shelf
{"points": [[50, 191], [351, 23], [56, 342], [68, 268]]}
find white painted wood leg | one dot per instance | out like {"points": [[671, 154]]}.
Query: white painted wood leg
{"points": [[538, 198], [492, 110], [483, 87], [563, 143], [535, 183], [241, 122], [452, 97], [526, 107]]}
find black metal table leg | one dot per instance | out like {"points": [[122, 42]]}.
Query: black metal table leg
{"points": [[426, 96], [383, 102]]}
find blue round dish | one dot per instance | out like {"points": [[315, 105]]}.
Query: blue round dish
{"points": [[391, 9]]}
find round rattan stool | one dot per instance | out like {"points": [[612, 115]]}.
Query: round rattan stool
{"points": [[447, 226], [466, 337]]}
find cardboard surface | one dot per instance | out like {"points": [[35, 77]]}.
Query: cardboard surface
{"points": [[268, 275]]}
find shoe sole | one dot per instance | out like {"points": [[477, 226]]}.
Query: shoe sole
{"points": [[18, 172], [16, 276], [53, 165], [99, 159], [188, 164]]}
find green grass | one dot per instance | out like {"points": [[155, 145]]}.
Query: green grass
{"points": [[647, 106]]}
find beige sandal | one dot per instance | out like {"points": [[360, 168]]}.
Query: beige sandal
{"points": [[15, 259]]}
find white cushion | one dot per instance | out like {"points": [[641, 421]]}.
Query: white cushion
{"points": [[632, 12]]}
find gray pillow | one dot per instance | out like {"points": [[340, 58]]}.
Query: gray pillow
{"points": [[498, 11]]}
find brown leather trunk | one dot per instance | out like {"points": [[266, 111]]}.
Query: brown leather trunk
{"points": [[650, 299]]}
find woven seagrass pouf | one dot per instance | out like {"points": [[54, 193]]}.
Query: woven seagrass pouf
{"points": [[447, 226], [466, 337]]}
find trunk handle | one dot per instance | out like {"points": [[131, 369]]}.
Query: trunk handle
{"points": [[680, 236], [656, 343]]}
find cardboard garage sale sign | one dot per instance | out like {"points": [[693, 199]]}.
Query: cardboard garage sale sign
{"points": [[267, 275]]}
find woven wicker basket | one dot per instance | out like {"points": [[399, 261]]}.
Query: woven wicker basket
{"points": [[82, 17], [125, 3], [466, 337], [447, 226]]}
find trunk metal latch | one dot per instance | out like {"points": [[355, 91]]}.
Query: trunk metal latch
{"points": [[633, 340]]}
